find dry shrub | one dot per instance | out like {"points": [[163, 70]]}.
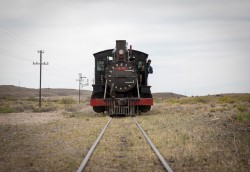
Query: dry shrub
{"points": [[32, 99], [227, 99], [9, 98], [190, 100], [72, 108], [67, 101], [19, 108], [243, 117], [45, 108], [242, 108], [7, 109]]}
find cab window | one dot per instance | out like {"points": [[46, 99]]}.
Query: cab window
{"points": [[100, 65], [140, 66]]}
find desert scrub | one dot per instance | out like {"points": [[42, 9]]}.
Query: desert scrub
{"points": [[9, 98], [32, 99], [242, 108], [155, 111], [7, 109], [243, 98], [47, 108], [213, 110], [73, 108], [86, 101], [67, 101], [190, 100], [243, 117], [158, 100], [221, 99], [201, 99], [226, 99], [19, 108], [15, 106], [195, 142]]}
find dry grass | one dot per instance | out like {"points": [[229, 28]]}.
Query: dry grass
{"points": [[56, 145], [123, 148], [210, 133], [30, 104], [202, 136]]}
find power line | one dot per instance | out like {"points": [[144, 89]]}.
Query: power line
{"points": [[9, 54], [41, 63], [3, 52], [14, 38], [17, 37]]}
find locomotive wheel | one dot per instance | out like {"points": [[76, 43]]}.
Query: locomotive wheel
{"points": [[145, 108], [99, 109]]}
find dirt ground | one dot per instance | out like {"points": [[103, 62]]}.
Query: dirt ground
{"points": [[191, 137], [54, 141], [199, 137], [29, 118]]}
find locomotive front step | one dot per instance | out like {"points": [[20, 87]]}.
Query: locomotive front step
{"points": [[121, 106]]}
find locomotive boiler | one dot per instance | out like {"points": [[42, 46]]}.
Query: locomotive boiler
{"points": [[121, 86]]}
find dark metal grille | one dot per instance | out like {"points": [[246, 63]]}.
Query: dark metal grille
{"points": [[129, 109]]}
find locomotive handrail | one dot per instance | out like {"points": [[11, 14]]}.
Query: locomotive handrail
{"points": [[138, 88], [105, 91]]}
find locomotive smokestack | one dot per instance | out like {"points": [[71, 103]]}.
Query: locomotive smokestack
{"points": [[120, 44], [121, 50]]}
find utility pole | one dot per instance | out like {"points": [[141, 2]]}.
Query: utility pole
{"points": [[41, 63], [80, 84]]}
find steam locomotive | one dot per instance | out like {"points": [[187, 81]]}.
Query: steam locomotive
{"points": [[121, 86]]}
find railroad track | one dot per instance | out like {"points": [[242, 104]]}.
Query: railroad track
{"points": [[160, 157]]}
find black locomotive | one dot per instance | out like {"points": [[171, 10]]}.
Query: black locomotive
{"points": [[121, 81]]}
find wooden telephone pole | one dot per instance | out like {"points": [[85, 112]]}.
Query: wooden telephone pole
{"points": [[41, 63]]}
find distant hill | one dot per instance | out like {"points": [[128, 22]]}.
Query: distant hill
{"points": [[22, 92], [167, 95], [10, 90]]}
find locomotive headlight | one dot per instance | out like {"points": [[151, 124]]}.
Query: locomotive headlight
{"points": [[121, 52]]}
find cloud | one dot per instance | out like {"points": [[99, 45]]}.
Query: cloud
{"points": [[196, 47]]}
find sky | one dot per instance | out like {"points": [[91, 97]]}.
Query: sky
{"points": [[197, 47]]}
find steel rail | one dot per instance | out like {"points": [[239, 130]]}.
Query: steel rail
{"points": [[163, 161], [86, 159]]}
